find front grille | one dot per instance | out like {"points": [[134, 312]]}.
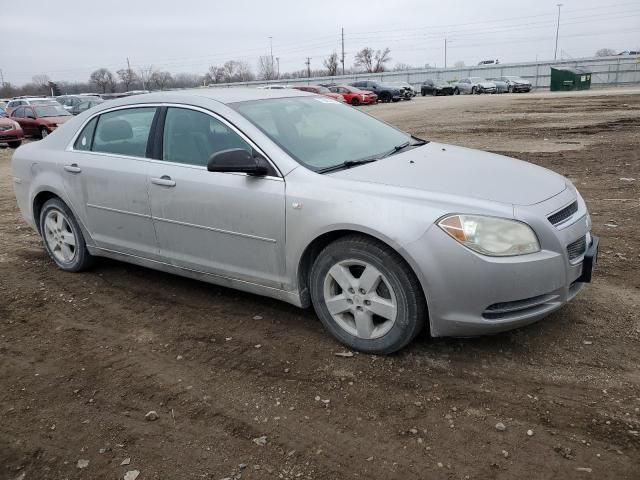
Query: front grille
{"points": [[563, 214], [577, 248]]}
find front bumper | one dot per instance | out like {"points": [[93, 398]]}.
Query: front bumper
{"points": [[471, 294]]}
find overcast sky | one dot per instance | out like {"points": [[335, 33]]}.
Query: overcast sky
{"points": [[67, 39]]}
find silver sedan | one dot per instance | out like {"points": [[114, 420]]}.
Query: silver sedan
{"points": [[297, 197]]}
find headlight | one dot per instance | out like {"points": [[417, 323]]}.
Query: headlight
{"points": [[16, 125], [496, 237]]}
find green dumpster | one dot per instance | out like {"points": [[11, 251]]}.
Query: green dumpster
{"points": [[570, 78]]}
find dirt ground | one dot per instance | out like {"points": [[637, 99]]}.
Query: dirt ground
{"points": [[83, 357]]}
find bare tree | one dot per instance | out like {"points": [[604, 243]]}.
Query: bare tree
{"points": [[186, 80], [236, 71], [381, 57], [127, 78], [331, 64], [161, 80], [605, 52], [265, 68], [459, 64], [41, 82], [145, 74], [103, 79], [364, 59], [215, 74]]}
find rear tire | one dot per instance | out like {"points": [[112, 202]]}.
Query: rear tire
{"points": [[62, 236], [381, 307], [15, 144]]}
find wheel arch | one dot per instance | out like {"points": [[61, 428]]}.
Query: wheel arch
{"points": [[314, 247]]}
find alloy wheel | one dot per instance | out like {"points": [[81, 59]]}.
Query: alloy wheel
{"points": [[59, 235], [360, 299]]}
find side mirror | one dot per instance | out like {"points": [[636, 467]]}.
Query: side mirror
{"points": [[238, 160]]}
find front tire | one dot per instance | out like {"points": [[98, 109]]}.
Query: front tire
{"points": [[355, 102], [456, 91], [62, 236], [43, 132], [366, 295]]}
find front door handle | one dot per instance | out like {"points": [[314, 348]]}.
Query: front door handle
{"points": [[164, 181], [73, 168]]}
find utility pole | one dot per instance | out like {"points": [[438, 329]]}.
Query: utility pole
{"points": [[445, 53], [342, 60], [308, 63], [555, 53], [129, 76], [278, 62], [271, 50], [1, 78]]}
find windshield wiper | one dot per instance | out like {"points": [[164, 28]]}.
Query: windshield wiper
{"points": [[398, 148], [347, 164]]}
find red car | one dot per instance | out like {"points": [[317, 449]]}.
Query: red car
{"points": [[354, 95], [10, 132], [40, 120], [320, 91]]}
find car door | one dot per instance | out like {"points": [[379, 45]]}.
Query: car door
{"points": [[105, 176], [18, 115], [226, 224], [30, 122]]}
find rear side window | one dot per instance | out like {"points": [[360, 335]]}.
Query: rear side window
{"points": [[124, 132], [84, 141], [191, 137]]}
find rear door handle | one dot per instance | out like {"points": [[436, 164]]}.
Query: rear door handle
{"points": [[164, 181], [73, 168]]}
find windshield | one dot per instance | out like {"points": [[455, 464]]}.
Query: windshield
{"points": [[43, 101], [319, 132], [478, 79], [51, 111]]}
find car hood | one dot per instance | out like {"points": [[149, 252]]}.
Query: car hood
{"points": [[441, 168], [487, 84]]}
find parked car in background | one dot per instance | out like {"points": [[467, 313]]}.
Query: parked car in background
{"points": [[40, 120], [516, 84], [70, 101], [11, 132], [354, 95], [385, 92], [320, 91], [436, 87], [474, 85], [273, 87], [283, 195], [86, 105], [407, 90], [501, 85], [16, 102], [3, 105]]}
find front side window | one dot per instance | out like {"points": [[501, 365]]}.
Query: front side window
{"points": [[18, 112], [192, 137], [319, 132], [124, 132]]}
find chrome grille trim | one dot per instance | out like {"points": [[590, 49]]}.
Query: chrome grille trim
{"points": [[561, 215]]}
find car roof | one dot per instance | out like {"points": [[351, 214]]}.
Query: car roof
{"points": [[220, 94]]}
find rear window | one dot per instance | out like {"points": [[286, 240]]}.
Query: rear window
{"points": [[124, 132], [85, 140]]}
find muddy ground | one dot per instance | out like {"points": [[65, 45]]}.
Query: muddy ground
{"points": [[83, 357]]}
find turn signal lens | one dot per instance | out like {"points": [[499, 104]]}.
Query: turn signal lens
{"points": [[493, 236]]}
